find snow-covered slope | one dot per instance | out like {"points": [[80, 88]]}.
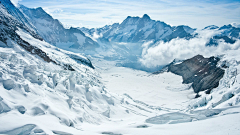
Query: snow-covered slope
{"points": [[12, 18], [53, 31], [180, 112], [136, 29], [47, 90], [17, 14], [227, 33]]}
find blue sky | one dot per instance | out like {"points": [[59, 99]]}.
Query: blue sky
{"points": [[97, 13]]}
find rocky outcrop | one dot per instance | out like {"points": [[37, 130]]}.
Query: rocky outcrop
{"points": [[202, 72]]}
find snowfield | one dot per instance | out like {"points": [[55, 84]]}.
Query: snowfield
{"points": [[48, 90], [156, 90], [42, 98]]}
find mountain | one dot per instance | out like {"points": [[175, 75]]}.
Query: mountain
{"points": [[142, 29], [13, 17], [53, 31], [227, 33], [48, 90], [136, 29], [211, 27], [202, 73], [40, 83]]}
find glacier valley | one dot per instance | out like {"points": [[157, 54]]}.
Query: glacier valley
{"points": [[140, 77]]}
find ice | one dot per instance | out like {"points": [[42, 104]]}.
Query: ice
{"points": [[9, 84], [26, 88], [55, 79], [107, 113], [38, 131], [60, 132], [71, 96], [206, 113], [24, 130], [21, 109], [170, 118], [4, 107], [110, 133], [1, 74]]}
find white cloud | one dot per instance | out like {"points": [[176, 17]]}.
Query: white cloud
{"points": [[97, 13], [164, 53]]}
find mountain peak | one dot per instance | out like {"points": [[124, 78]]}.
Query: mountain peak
{"points": [[211, 27], [40, 8], [145, 16]]}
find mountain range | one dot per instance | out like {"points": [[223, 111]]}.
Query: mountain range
{"points": [[131, 30], [136, 29], [48, 87]]}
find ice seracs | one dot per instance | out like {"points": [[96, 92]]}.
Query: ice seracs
{"points": [[48, 90]]}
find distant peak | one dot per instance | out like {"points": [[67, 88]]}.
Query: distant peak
{"points": [[145, 16], [39, 8], [237, 25]]}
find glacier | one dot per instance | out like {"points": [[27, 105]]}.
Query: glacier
{"points": [[92, 83]]}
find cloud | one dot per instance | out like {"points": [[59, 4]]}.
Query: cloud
{"points": [[15, 2], [97, 13], [164, 53]]}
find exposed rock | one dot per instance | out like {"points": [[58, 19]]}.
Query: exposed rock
{"points": [[201, 72]]}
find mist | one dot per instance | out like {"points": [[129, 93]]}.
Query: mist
{"points": [[162, 53]]}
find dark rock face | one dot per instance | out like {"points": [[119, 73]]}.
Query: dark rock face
{"points": [[201, 72]]}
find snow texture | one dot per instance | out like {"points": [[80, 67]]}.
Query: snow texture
{"points": [[66, 95]]}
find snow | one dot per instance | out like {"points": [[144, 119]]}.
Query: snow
{"points": [[81, 38], [62, 103], [38, 97], [154, 90], [147, 33], [47, 99]]}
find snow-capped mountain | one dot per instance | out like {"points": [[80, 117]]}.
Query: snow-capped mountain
{"points": [[47, 90], [227, 33], [51, 30], [13, 18], [138, 29], [17, 14]]}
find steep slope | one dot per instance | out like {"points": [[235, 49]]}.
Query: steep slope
{"points": [[227, 94], [13, 18], [202, 72], [47, 90], [44, 89], [136, 29], [17, 14], [227, 33], [53, 32]]}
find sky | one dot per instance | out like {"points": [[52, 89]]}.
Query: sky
{"points": [[97, 13]]}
